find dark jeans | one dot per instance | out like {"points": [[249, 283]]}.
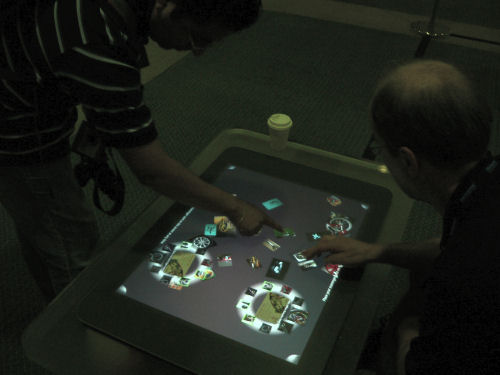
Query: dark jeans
{"points": [[54, 223]]}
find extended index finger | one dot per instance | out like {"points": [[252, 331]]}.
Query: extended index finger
{"points": [[269, 221], [316, 250]]}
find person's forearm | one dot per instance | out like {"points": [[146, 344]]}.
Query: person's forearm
{"points": [[413, 256], [180, 184]]}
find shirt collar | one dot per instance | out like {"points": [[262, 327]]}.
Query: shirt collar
{"points": [[479, 176]]}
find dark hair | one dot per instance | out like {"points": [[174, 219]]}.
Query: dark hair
{"points": [[234, 15], [433, 109]]}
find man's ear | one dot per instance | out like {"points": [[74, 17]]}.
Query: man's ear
{"points": [[410, 161]]}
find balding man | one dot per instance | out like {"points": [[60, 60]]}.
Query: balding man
{"points": [[433, 131]]}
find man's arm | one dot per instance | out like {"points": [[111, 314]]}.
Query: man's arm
{"points": [[354, 253], [154, 168], [413, 256]]}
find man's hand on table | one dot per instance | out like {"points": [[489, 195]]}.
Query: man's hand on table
{"points": [[249, 219], [346, 251]]}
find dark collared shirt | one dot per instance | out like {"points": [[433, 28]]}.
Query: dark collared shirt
{"points": [[460, 326], [71, 52]]}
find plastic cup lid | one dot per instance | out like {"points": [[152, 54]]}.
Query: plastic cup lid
{"points": [[279, 121]]}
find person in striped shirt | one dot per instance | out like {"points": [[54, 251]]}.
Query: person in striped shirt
{"points": [[57, 54]]}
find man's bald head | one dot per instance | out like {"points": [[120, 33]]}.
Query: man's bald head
{"points": [[432, 108]]}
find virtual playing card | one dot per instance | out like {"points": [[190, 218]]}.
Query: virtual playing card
{"points": [[272, 204], [244, 305], [224, 260], [271, 245], [265, 328], [248, 319], [307, 265], [267, 285], [224, 226], [285, 289], [299, 257], [277, 269], [285, 327], [254, 262]]}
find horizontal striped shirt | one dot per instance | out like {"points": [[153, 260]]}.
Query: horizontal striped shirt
{"points": [[63, 53]]}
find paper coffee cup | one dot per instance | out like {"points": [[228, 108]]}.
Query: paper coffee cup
{"points": [[279, 128]]}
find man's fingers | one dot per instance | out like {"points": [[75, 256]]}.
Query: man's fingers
{"points": [[314, 251], [273, 224]]}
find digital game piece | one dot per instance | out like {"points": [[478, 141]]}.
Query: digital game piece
{"points": [[298, 316], [167, 247], [157, 257], [243, 305], [277, 269], [209, 274], [207, 263], [210, 230], [251, 291], [179, 263], [183, 281], [272, 204], [155, 269], [254, 262], [202, 242], [287, 233], [224, 260], [339, 226], [175, 286], [265, 328], [331, 269], [185, 245], [285, 327], [224, 225], [334, 200], [267, 285], [286, 289], [307, 265], [200, 275], [298, 301], [165, 280], [248, 319], [299, 257], [317, 235], [271, 245]]}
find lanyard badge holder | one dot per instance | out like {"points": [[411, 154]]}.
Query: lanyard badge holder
{"points": [[88, 144], [94, 166]]}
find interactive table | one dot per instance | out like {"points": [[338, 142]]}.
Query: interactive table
{"points": [[182, 292]]}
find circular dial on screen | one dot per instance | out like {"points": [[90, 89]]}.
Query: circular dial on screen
{"points": [[339, 225], [181, 264]]}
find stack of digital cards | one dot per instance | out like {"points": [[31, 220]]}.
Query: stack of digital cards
{"points": [[303, 263]]}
